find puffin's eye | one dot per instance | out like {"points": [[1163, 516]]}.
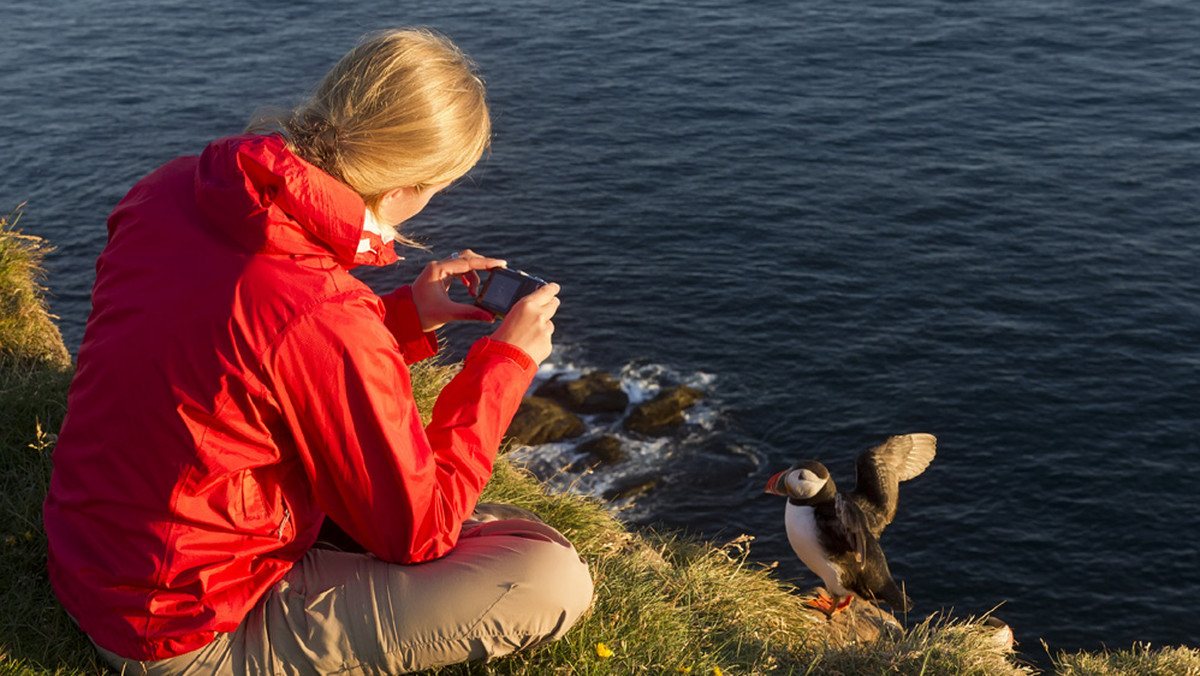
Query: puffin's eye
{"points": [[804, 483]]}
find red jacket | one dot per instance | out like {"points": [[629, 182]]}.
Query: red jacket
{"points": [[236, 385]]}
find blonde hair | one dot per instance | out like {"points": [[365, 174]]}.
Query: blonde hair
{"points": [[403, 108]]}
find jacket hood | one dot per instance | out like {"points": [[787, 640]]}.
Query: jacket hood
{"points": [[271, 201]]}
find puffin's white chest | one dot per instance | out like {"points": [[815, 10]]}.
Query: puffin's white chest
{"points": [[801, 525]]}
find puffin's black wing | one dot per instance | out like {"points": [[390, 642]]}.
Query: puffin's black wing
{"points": [[868, 574], [852, 526], [880, 471]]}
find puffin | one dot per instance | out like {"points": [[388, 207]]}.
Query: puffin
{"points": [[836, 534]]}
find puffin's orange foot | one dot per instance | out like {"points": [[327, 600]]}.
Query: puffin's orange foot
{"points": [[829, 606]]}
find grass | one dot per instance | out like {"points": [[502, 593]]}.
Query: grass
{"points": [[28, 336], [35, 369], [665, 603], [1140, 660]]}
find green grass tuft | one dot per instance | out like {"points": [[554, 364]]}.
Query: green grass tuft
{"points": [[28, 335], [1140, 660]]}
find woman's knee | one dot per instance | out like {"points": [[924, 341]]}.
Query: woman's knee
{"points": [[562, 576], [554, 587]]}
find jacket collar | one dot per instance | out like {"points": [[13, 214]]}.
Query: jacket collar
{"points": [[273, 202]]}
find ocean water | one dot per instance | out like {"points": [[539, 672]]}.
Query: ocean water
{"points": [[840, 220]]}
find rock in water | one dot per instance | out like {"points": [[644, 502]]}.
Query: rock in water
{"points": [[541, 421], [604, 450], [663, 413], [592, 393], [631, 487]]}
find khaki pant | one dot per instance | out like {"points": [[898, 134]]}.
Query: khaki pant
{"points": [[511, 583]]}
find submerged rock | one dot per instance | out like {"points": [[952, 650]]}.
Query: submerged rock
{"points": [[604, 450], [541, 421], [663, 413], [631, 487]]}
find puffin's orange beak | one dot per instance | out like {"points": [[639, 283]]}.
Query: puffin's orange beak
{"points": [[775, 484]]}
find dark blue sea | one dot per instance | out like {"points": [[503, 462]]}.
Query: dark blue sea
{"points": [[841, 220]]}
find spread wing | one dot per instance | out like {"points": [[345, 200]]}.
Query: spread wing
{"points": [[870, 578], [880, 471], [853, 526]]}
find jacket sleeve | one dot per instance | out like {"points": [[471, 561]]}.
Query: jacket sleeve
{"points": [[401, 319], [344, 391]]}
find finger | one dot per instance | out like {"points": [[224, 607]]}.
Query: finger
{"points": [[544, 301], [465, 312], [545, 294], [467, 254], [471, 279], [462, 265]]}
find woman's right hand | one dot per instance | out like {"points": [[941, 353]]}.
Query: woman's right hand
{"points": [[527, 325]]}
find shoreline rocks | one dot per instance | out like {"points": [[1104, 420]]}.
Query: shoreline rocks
{"points": [[543, 421], [603, 450], [664, 413], [554, 414], [592, 393]]}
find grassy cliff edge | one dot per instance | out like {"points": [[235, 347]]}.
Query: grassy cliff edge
{"points": [[664, 604]]}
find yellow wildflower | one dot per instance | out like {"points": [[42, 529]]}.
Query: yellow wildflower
{"points": [[717, 671], [603, 651]]}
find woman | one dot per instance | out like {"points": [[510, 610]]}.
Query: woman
{"points": [[237, 389]]}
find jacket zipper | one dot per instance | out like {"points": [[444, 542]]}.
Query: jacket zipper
{"points": [[287, 515]]}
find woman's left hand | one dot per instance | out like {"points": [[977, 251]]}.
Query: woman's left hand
{"points": [[430, 291]]}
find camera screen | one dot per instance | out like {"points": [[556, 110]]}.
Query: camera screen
{"points": [[501, 289]]}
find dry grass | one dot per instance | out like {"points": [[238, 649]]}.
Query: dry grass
{"points": [[1140, 660], [28, 335]]}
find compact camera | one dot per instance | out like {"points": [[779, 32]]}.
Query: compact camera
{"points": [[504, 287]]}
